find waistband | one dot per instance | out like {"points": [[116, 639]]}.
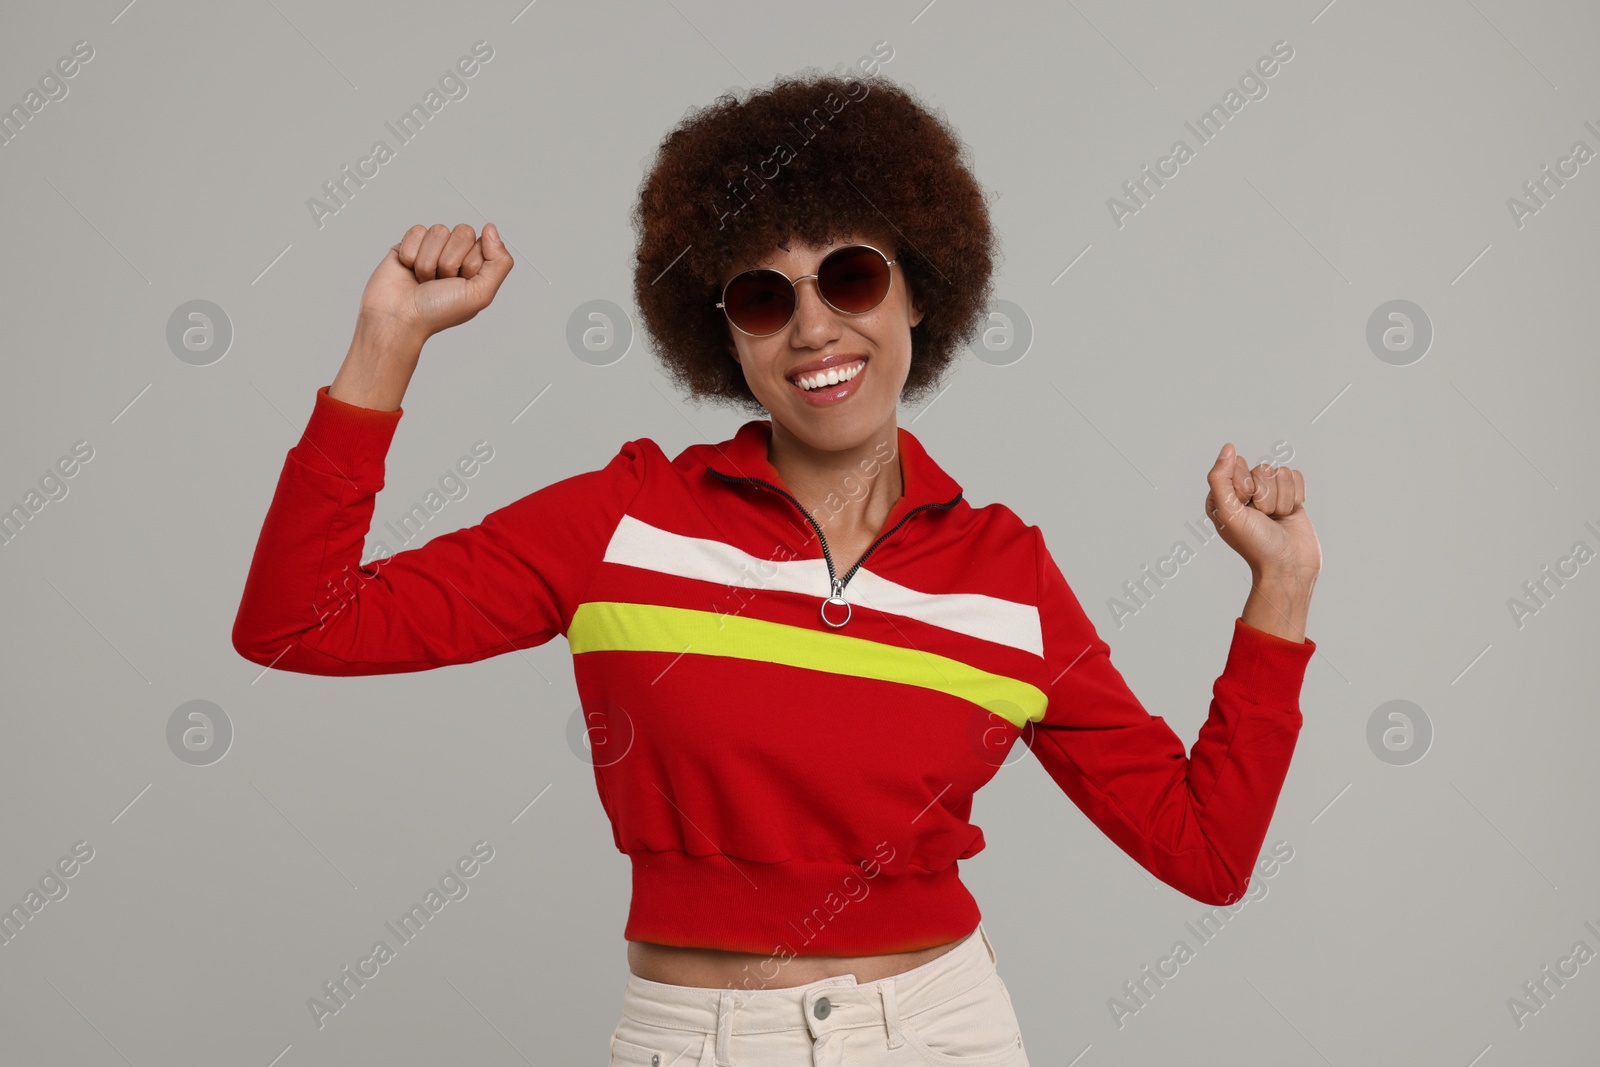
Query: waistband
{"points": [[804, 908], [822, 1007]]}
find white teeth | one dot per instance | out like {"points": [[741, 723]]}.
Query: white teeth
{"points": [[832, 376]]}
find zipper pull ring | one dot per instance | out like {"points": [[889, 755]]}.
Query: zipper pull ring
{"points": [[837, 597]]}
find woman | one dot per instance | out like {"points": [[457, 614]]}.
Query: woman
{"points": [[800, 650]]}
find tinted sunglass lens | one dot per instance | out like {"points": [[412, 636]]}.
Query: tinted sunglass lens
{"points": [[854, 279], [760, 301]]}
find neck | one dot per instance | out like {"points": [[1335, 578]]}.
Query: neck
{"points": [[848, 489]]}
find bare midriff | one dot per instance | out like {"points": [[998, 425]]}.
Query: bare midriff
{"points": [[715, 968]]}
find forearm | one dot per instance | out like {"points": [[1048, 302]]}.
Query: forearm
{"points": [[1278, 604], [306, 568], [378, 366]]}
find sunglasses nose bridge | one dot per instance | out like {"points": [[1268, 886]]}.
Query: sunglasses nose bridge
{"points": [[822, 299], [816, 286]]}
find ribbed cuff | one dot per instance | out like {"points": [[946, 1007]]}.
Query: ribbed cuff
{"points": [[346, 439], [1268, 667]]}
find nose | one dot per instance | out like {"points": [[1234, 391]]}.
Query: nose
{"points": [[815, 323]]}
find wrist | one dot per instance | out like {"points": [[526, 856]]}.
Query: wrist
{"points": [[1278, 610], [1289, 580], [378, 366], [387, 337]]}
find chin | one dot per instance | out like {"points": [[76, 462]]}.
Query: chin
{"points": [[836, 429]]}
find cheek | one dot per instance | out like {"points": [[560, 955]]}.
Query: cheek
{"points": [[759, 360], [891, 334]]}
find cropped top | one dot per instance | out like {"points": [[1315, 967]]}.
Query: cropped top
{"points": [[787, 750]]}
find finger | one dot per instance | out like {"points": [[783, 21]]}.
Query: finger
{"points": [[1291, 491], [474, 261], [1244, 483], [497, 263], [462, 238], [428, 256], [1266, 495], [1299, 489], [410, 243], [1223, 500], [1282, 491]]}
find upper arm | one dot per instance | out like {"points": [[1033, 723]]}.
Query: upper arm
{"points": [[510, 581]]}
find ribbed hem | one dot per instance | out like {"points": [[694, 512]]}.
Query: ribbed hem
{"points": [[346, 439], [797, 908], [1271, 669]]}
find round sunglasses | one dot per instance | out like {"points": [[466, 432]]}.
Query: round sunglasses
{"points": [[852, 280]]}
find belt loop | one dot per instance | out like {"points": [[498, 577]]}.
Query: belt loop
{"points": [[725, 1009], [891, 1013], [985, 935]]}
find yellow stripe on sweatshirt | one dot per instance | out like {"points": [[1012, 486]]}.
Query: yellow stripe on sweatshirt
{"points": [[616, 626]]}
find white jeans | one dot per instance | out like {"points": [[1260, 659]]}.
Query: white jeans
{"points": [[953, 1011]]}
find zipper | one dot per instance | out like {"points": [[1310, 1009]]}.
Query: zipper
{"points": [[837, 584]]}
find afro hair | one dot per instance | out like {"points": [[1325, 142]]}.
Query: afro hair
{"points": [[812, 157]]}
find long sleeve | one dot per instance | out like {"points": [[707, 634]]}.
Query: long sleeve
{"points": [[1196, 821], [509, 582]]}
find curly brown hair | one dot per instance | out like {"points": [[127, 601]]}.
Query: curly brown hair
{"points": [[814, 156]]}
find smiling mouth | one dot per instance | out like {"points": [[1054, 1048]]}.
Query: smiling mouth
{"points": [[832, 376]]}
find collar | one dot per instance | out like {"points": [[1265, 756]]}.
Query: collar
{"points": [[924, 481]]}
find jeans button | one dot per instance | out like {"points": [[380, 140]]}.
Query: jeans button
{"points": [[655, 1059], [821, 1008]]}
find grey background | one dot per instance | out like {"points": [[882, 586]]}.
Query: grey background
{"points": [[1234, 306]]}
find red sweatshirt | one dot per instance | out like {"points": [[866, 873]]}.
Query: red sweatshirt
{"points": [[781, 784]]}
